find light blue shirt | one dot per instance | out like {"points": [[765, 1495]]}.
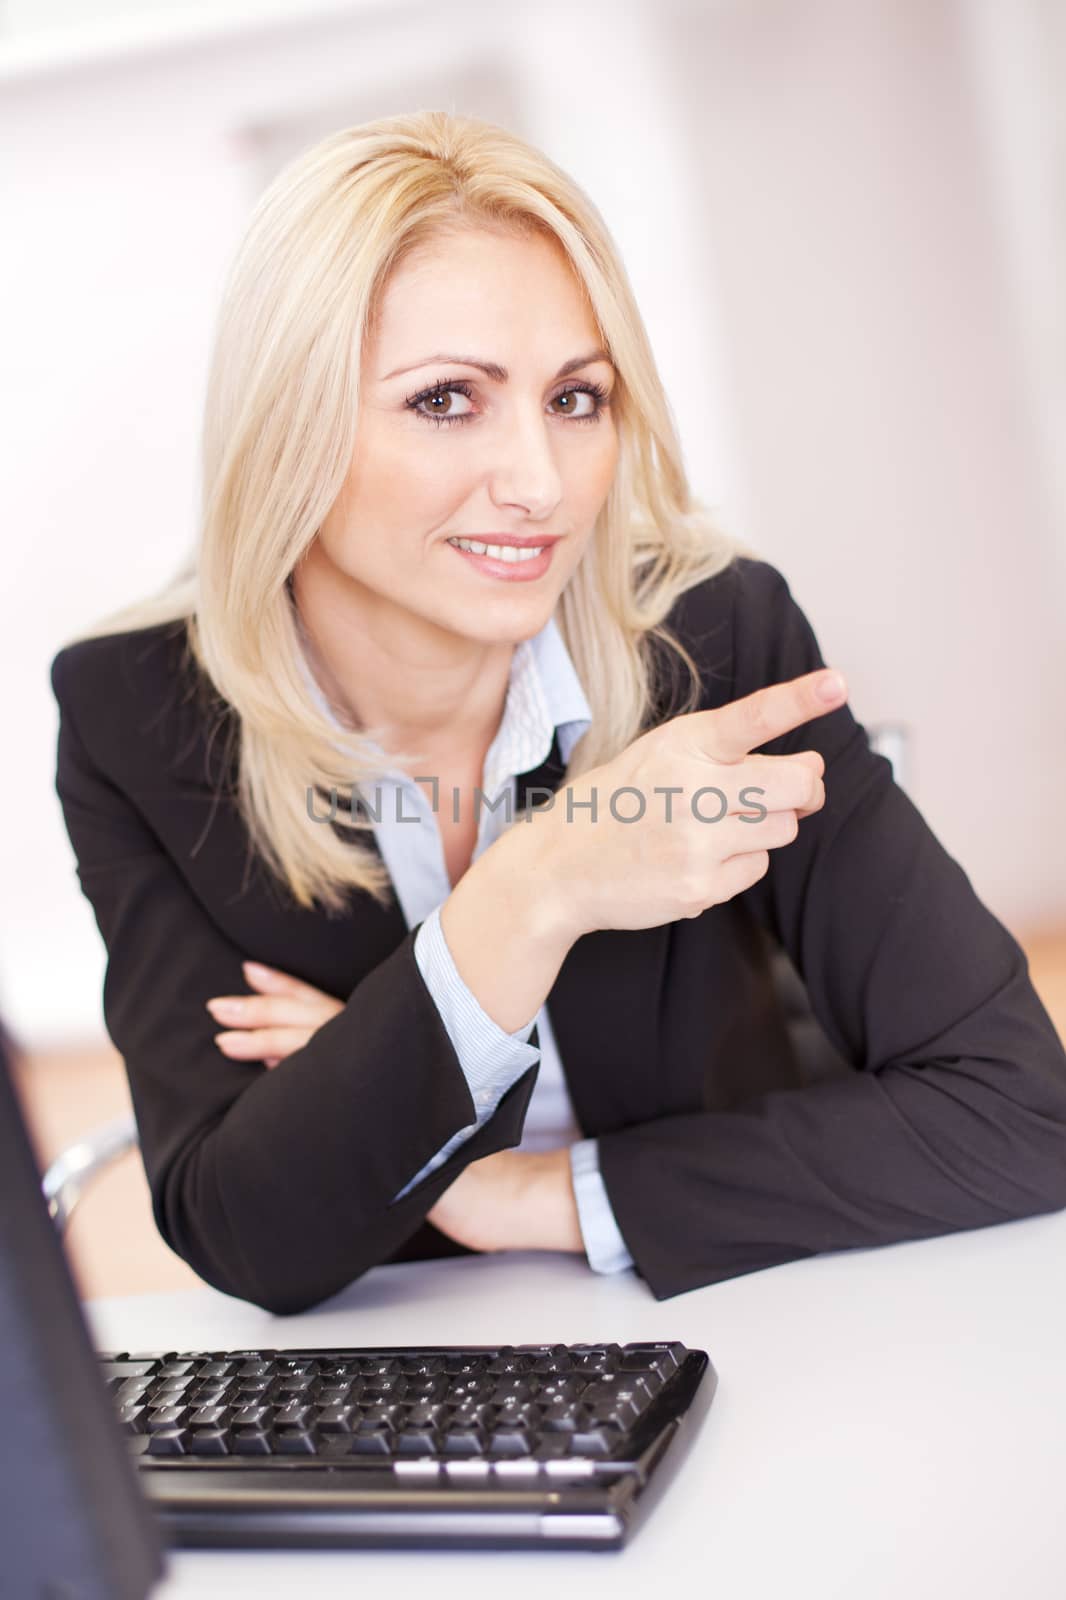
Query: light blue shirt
{"points": [[544, 696]]}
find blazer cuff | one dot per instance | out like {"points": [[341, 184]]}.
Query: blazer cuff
{"points": [[604, 1245]]}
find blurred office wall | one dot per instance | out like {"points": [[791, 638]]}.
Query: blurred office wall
{"points": [[833, 214]]}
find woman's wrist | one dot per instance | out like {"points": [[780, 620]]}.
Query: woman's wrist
{"points": [[527, 857], [546, 1214], [507, 931]]}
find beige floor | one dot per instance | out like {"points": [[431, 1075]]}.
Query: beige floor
{"points": [[112, 1242]]}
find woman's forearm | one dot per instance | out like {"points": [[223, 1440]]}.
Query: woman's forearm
{"points": [[506, 927]]}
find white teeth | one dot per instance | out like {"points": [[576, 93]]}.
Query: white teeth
{"points": [[499, 552]]}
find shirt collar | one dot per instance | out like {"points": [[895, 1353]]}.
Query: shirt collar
{"points": [[544, 698]]}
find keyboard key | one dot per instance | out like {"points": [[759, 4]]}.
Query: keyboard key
{"points": [[115, 1373], [521, 1416], [209, 1442], [415, 1442], [510, 1442], [463, 1442], [618, 1398], [420, 1471], [216, 1393], [552, 1445], [510, 1364], [422, 1366], [254, 1369], [603, 1359], [175, 1385], [168, 1417], [134, 1417], [209, 1416], [560, 1389], [476, 1387], [168, 1442], [570, 1468], [516, 1471], [379, 1413], [663, 1359], [425, 1415], [561, 1421], [255, 1386], [465, 1365], [374, 1441], [511, 1390], [131, 1389], [252, 1415], [596, 1441], [251, 1442], [338, 1419], [622, 1413], [389, 1386], [467, 1471], [334, 1395], [296, 1441], [427, 1389]]}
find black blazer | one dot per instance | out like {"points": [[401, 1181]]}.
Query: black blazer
{"points": [[718, 1159]]}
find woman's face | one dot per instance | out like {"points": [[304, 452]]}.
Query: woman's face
{"points": [[448, 450]]}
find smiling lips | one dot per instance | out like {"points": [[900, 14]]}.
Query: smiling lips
{"points": [[519, 561], [499, 552], [521, 542]]}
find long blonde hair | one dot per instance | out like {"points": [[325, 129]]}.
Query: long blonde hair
{"points": [[279, 427]]}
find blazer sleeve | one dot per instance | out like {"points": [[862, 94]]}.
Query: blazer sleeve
{"points": [[276, 1186], [954, 1116]]}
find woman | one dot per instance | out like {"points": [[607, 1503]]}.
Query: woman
{"points": [[341, 1054]]}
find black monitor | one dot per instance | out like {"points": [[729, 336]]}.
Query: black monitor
{"points": [[74, 1524]]}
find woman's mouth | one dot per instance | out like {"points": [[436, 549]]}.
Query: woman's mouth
{"points": [[512, 563]]}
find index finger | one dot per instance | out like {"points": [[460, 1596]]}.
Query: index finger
{"points": [[754, 720]]}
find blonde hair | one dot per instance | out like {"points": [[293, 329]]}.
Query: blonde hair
{"points": [[278, 436]]}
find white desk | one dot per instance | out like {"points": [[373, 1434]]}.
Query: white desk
{"points": [[889, 1425]]}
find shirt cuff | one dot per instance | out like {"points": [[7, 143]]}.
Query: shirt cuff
{"points": [[491, 1060], [604, 1245]]}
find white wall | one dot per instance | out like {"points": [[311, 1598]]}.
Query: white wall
{"points": [[801, 197], [884, 404]]}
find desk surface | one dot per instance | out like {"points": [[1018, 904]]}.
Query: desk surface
{"points": [[889, 1423]]}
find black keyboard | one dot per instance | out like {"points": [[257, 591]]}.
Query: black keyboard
{"points": [[545, 1420]]}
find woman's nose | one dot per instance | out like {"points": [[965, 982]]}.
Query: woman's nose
{"points": [[524, 470]]}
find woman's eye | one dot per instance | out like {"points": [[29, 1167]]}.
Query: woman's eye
{"points": [[577, 403], [441, 404]]}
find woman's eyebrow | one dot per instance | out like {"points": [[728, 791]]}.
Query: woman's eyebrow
{"points": [[497, 373]]}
